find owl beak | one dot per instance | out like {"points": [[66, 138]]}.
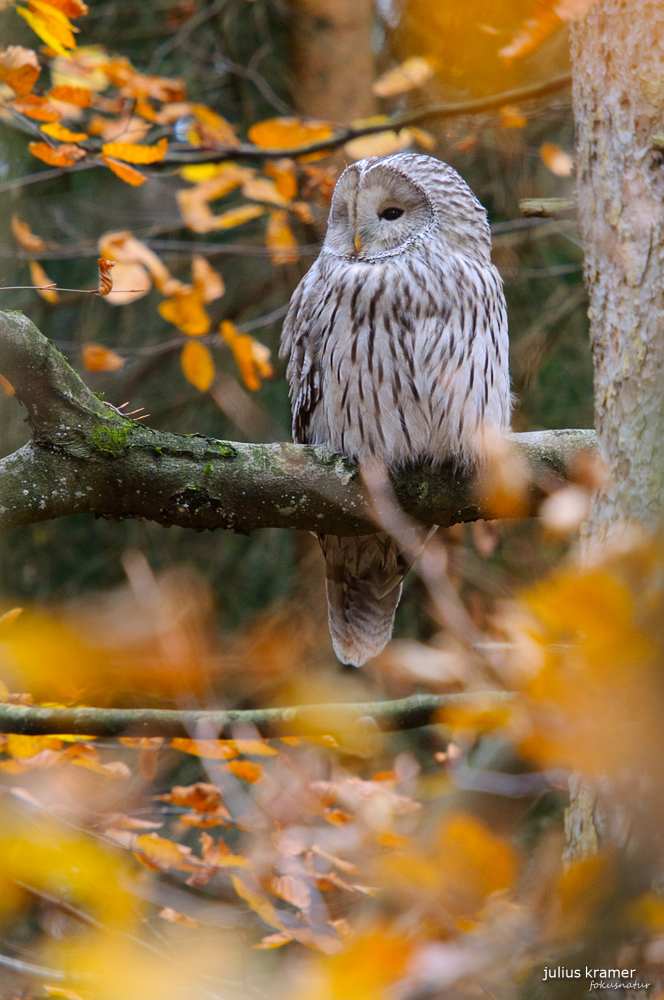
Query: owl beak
{"points": [[358, 243]]}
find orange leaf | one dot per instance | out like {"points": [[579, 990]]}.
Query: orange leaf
{"points": [[105, 276], [7, 387], [235, 217], [19, 68], [337, 817], [245, 769], [125, 172], [62, 156], [36, 107], [262, 189], [281, 133], [251, 357], [280, 240], [556, 159], [203, 797], [132, 152], [283, 174], [531, 34], [71, 8], [177, 918], [57, 131], [208, 749], [24, 236], [185, 310], [207, 282], [211, 128], [197, 365], [40, 278], [101, 359], [511, 117], [80, 96]]}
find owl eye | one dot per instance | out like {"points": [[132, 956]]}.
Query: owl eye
{"points": [[391, 214]]}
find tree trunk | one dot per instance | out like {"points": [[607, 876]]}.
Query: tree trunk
{"points": [[618, 92], [618, 74], [331, 60]]}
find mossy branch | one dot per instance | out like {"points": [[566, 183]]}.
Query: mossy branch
{"points": [[85, 457], [300, 720]]}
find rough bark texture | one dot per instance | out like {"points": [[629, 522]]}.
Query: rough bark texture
{"points": [[618, 90], [331, 59], [85, 457]]}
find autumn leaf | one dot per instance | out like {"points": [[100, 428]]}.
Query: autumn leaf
{"points": [[236, 216], [203, 797], [174, 917], [115, 769], [280, 240], [20, 746], [379, 144], [79, 96], [208, 749], [263, 189], [184, 309], [40, 279], [556, 159], [136, 266], [64, 155], [197, 365], [208, 283], [282, 133], [71, 8], [283, 174], [36, 107], [251, 357], [50, 24], [257, 901], [245, 769], [131, 152], [412, 73], [101, 359], [211, 129], [7, 387], [19, 68], [57, 131], [293, 890], [511, 117], [25, 237], [105, 276], [125, 172], [277, 940]]}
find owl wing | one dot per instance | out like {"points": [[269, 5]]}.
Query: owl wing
{"points": [[301, 341]]}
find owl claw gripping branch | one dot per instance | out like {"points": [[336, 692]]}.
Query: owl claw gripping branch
{"points": [[397, 344]]}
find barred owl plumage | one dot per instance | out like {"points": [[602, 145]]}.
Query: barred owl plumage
{"points": [[397, 344]]}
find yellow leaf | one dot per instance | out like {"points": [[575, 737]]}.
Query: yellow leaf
{"points": [[282, 133], [208, 283], [125, 172], [412, 73], [21, 747], [97, 358], [132, 152], [556, 159], [198, 172], [379, 144], [197, 365], [57, 131], [280, 240], [40, 278], [19, 68], [185, 310], [24, 236], [258, 903], [52, 26]]}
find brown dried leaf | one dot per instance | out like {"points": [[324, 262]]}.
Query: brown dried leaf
{"points": [[97, 358]]}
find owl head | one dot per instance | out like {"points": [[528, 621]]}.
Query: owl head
{"points": [[383, 206]]}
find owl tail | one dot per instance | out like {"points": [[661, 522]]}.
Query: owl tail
{"points": [[364, 579]]}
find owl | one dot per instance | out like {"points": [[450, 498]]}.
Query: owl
{"points": [[398, 352]]}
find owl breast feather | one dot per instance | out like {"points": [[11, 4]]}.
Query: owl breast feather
{"points": [[403, 359]]}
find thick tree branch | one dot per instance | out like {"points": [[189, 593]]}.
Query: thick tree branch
{"points": [[300, 720], [85, 457]]}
